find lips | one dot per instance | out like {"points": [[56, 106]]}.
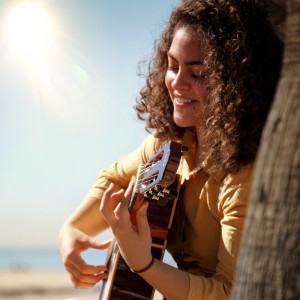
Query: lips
{"points": [[183, 102]]}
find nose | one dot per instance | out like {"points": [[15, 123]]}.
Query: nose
{"points": [[181, 81]]}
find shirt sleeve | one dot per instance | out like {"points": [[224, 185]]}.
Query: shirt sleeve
{"points": [[124, 170], [233, 199]]}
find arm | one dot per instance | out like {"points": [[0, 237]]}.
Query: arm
{"points": [[87, 217], [135, 244], [164, 278], [227, 203], [76, 234]]}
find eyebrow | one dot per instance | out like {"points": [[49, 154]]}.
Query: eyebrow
{"points": [[190, 63]]}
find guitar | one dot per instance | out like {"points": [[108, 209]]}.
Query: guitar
{"points": [[156, 183]]}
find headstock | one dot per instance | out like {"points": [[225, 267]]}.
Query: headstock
{"points": [[158, 173]]}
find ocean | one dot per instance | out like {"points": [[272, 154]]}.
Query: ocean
{"points": [[49, 258], [42, 258]]}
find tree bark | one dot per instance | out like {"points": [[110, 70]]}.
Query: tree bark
{"points": [[269, 263]]}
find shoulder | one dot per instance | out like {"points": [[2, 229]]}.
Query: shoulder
{"points": [[241, 178], [235, 188]]}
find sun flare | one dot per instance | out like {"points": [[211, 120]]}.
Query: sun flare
{"points": [[29, 30], [37, 47]]}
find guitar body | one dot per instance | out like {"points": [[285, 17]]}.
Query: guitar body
{"points": [[158, 184]]}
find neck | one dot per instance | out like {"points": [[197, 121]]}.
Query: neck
{"points": [[201, 147]]}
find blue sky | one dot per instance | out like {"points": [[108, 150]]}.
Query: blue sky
{"points": [[66, 116]]}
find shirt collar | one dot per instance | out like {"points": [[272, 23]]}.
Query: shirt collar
{"points": [[189, 140]]}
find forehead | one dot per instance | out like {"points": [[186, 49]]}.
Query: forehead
{"points": [[186, 45]]}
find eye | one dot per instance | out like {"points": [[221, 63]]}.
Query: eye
{"points": [[172, 65], [199, 72], [174, 69]]}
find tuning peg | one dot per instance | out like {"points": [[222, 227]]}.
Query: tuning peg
{"points": [[148, 194], [167, 196], [148, 197], [170, 192], [158, 188]]}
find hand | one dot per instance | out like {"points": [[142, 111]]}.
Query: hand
{"points": [[72, 243], [134, 241]]}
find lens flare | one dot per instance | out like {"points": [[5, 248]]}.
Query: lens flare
{"points": [[29, 30], [58, 75]]}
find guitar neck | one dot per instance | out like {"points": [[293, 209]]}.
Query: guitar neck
{"points": [[121, 283]]}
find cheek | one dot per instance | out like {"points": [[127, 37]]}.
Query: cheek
{"points": [[201, 90], [168, 81]]}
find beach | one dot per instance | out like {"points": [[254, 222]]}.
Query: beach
{"points": [[27, 284], [38, 274], [41, 284]]}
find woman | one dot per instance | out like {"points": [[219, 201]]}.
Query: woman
{"points": [[210, 86]]}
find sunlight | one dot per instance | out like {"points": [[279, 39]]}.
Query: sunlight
{"points": [[29, 30], [39, 49]]}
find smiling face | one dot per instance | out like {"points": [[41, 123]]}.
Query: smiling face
{"points": [[185, 78]]}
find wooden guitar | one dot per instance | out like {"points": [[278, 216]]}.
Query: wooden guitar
{"points": [[156, 183]]}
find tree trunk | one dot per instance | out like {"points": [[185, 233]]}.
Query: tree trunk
{"points": [[269, 262]]}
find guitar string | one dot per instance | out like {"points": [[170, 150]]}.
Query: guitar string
{"points": [[146, 181], [143, 170]]}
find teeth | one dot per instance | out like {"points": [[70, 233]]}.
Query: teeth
{"points": [[182, 101]]}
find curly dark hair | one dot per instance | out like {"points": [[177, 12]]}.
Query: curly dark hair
{"points": [[245, 55]]}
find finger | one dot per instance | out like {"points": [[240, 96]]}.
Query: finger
{"points": [[123, 211], [106, 197], [79, 285], [92, 243], [126, 199], [116, 198], [86, 269], [81, 280], [108, 203], [129, 190], [142, 221], [117, 211], [75, 260]]}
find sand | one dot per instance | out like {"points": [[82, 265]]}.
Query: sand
{"points": [[43, 285]]}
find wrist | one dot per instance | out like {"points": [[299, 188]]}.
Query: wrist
{"points": [[64, 228], [144, 269]]}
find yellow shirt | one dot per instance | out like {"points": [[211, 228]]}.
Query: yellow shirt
{"points": [[214, 207]]}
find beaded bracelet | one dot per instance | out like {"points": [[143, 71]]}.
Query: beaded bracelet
{"points": [[146, 268]]}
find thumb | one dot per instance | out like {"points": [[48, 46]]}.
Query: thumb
{"points": [[94, 244], [142, 221]]}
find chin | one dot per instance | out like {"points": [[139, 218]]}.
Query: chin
{"points": [[184, 121]]}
